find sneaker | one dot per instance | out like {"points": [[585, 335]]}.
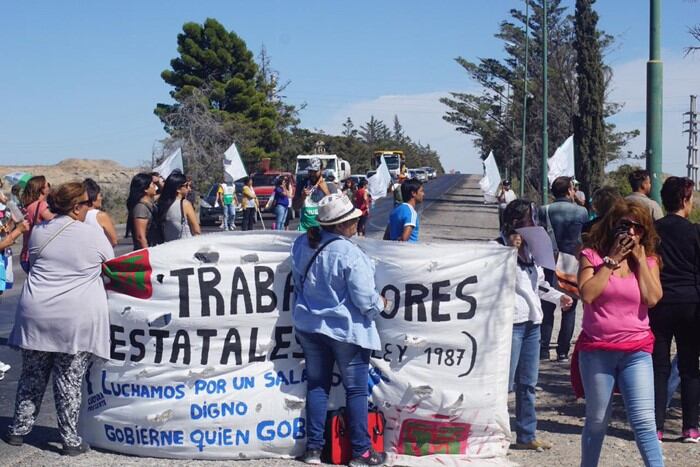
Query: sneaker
{"points": [[75, 450], [12, 440], [660, 436], [534, 445], [562, 358], [691, 435], [544, 356], [311, 456], [370, 457]]}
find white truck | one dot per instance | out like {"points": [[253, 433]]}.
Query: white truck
{"points": [[330, 163]]}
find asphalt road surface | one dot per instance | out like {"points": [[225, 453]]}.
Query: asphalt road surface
{"points": [[452, 211]]}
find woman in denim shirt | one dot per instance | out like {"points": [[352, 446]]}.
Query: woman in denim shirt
{"points": [[335, 307]]}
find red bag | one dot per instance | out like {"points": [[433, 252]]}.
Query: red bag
{"points": [[337, 449]]}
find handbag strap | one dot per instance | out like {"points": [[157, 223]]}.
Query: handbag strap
{"points": [[46, 243], [182, 216], [313, 258]]}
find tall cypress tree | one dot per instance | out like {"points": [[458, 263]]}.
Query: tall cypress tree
{"points": [[589, 126]]}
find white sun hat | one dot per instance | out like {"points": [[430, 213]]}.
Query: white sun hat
{"points": [[335, 209]]}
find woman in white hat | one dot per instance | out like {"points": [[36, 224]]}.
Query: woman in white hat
{"points": [[335, 307]]}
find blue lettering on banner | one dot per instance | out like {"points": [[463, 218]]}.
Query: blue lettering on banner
{"points": [[96, 401], [243, 382], [217, 410], [280, 378], [269, 430], [143, 391], [143, 436], [220, 437]]}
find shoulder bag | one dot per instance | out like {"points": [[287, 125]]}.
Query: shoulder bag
{"points": [[566, 273], [313, 258], [24, 254], [46, 243]]}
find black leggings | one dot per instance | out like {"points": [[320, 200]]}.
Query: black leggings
{"points": [[248, 219], [682, 321]]}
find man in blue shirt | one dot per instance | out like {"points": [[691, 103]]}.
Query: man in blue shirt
{"points": [[403, 221], [565, 219]]}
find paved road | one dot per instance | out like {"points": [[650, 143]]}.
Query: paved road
{"points": [[453, 211]]}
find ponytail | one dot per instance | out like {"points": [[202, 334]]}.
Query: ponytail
{"points": [[314, 236]]}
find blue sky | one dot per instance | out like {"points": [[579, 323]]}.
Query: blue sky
{"points": [[81, 78]]}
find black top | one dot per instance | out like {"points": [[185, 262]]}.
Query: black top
{"points": [[680, 253]]}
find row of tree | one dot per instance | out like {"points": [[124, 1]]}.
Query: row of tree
{"points": [[579, 83], [222, 94]]}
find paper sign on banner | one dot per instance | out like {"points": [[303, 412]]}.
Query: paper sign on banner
{"points": [[224, 377]]}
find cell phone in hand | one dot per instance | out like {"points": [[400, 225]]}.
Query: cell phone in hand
{"points": [[621, 230]]}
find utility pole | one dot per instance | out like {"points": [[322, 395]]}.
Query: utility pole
{"points": [[524, 143], [545, 133], [654, 100], [692, 141]]}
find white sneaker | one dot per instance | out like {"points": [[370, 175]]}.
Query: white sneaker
{"points": [[4, 368]]}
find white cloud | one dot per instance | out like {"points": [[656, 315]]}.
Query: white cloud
{"points": [[680, 81], [421, 117]]}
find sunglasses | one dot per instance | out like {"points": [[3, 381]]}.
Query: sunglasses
{"points": [[86, 202], [626, 225]]}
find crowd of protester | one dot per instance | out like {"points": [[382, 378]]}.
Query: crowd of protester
{"points": [[638, 278]]}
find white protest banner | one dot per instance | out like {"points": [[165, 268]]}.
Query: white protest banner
{"points": [[170, 164], [233, 165], [204, 363], [561, 164], [379, 183], [491, 180]]}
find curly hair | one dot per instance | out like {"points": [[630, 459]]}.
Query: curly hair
{"points": [[602, 235]]}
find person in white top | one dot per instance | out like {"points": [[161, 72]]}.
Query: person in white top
{"points": [[506, 193], [95, 216], [530, 288]]}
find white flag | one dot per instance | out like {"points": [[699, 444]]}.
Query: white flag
{"points": [[491, 180], [561, 164], [172, 162], [378, 184], [233, 165]]}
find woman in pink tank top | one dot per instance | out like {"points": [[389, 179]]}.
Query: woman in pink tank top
{"points": [[619, 280]]}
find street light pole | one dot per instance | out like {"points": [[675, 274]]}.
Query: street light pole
{"points": [[654, 100], [524, 143], [545, 133]]}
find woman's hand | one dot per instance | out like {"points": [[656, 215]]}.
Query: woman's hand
{"points": [[23, 226], [565, 302], [638, 252], [621, 248]]}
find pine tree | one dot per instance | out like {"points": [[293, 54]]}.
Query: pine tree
{"points": [[217, 63], [398, 134], [589, 125], [349, 130], [374, 131], [494, 116]]}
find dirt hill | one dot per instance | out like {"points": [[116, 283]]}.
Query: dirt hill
{"points": [[105, 172], [112, 177]]}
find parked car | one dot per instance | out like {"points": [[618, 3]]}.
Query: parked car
{"points": [[420, 174], [357, 177], [211, 213], [432, 173], [264, 185]]}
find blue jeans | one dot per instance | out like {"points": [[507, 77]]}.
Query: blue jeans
{"points": [[280, 216], [524, 369], [634, 374], [321, 354], [229, 216]]}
